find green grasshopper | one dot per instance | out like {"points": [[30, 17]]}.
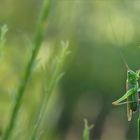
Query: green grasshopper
{"points": [[131, 95], [132, 87]]}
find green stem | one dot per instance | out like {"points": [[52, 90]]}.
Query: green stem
{"points": [[138, 121], [37, 43], [37, 123], [138, 128]]}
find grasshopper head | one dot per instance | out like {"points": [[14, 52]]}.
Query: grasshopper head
{"points": [[132, 76]]}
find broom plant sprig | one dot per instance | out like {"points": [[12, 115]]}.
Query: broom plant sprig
{"points": [[52, 78], [39, 35], [86, 132]]}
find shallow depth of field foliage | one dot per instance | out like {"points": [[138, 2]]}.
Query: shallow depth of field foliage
{"points": [[75, 83]]}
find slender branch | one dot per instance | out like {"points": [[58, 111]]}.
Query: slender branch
{"points": [[36, 44]]}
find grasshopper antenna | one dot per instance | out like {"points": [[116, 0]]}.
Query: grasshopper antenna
{"points": [[120, 52], [124, 60]]}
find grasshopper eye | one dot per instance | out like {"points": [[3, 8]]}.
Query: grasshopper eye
{"points": [[129, 73]]}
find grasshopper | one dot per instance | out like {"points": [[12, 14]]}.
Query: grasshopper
{"points": [[131, 95], [132, 87]]}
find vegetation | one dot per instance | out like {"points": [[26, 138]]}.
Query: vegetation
{"points": [[47, 86]]}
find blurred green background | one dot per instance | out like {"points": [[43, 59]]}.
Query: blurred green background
{"points": [[95, 74]]}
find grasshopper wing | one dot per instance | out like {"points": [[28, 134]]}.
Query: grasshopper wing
{"points": [[129, 111]]}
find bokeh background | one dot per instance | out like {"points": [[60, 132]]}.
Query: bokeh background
{"points": [[95, 74]]}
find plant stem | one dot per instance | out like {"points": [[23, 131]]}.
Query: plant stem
{"points": [[36, 44], [138, 128], [138, 120], [86, 132]]}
